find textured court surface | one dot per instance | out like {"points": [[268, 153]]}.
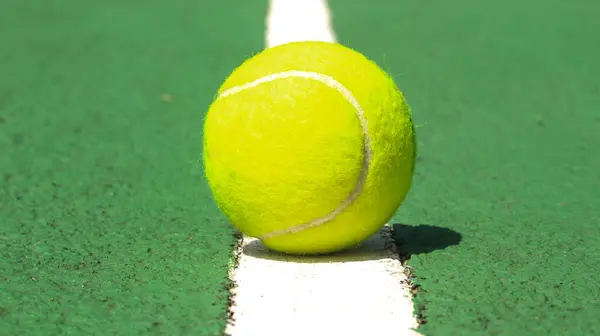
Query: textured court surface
{"points": [[107, 225]]}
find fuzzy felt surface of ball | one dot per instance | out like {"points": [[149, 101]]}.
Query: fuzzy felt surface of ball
{"points": [[310, 147]]}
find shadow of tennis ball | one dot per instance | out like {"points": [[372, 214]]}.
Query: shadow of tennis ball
{"points": [[423, 238], [391, 242], [373, 248]]}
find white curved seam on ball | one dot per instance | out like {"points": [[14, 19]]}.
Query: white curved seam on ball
{"points": [[331, 82]]}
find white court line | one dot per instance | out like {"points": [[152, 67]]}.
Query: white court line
{"points": [[363, 292], [298, 20]]}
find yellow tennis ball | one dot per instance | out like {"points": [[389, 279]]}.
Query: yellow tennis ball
{"points": [[310, 147]]}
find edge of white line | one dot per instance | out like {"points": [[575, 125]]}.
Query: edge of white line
{"points": [[364, 291]]}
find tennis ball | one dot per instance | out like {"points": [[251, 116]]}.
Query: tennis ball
{"points": [[310, 147]]}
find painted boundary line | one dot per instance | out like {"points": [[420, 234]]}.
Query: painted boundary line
{"points": [[361, 292]]}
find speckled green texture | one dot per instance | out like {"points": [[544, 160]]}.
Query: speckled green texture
{"points": [[506, 96], [106, 222]]}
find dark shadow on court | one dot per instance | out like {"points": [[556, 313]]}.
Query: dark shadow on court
{"points": [[409, 240], [371, 249], [423, 238]]}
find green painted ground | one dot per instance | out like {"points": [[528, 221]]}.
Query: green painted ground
{"points": [[106, 224], [508, 98]]}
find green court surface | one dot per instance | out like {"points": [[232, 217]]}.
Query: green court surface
{"points": [[107, 225]]}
